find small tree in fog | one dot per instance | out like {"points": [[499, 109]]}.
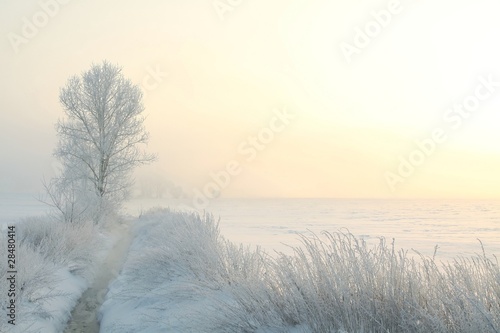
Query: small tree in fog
{"points": [[100, 140]]}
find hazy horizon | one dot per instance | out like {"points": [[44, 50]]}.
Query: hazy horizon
{"points": [[282, 99]]}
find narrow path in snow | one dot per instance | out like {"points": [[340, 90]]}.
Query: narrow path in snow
{"points": [[84, 315]]}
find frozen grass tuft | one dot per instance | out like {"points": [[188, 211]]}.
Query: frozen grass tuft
{"points": [[338, 282], [74, 246], [177, 277], [55, 263], [182, 275]]}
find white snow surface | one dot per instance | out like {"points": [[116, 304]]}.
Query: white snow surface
{"points": [[84, 315], [168, 287], [142, 299], [51, 277], [51, 315], [181, 275], [165, 286]]}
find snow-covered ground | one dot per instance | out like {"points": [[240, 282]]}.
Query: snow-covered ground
{"points": [[274, 224], [84, 315], [16, 206], [181, 275], [168, 283], [55, 264]]}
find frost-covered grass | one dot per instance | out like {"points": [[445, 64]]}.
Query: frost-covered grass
{"points": [[183, 276], [178, 272], [55, 263], [338, 282]]}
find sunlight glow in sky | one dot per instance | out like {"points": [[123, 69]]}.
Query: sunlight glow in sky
{"points": [[213, 87]]}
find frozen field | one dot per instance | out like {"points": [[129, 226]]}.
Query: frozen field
{"points": [[195, 263], [19, 205], [454, 225]]}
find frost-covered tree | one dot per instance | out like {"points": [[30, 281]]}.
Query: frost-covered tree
{"points": [[102, 136]]}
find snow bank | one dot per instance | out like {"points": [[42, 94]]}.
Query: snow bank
{"points": [[182, 276], [55, 264]]}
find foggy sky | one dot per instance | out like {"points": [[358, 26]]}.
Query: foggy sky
{"points": [[217, 74]]}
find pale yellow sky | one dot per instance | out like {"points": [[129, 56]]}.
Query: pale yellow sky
{"points": [[219, 76]]}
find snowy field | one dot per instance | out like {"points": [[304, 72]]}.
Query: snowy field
{"points": [[273, 224], [15, 206], [181, 274], [454, 225]]}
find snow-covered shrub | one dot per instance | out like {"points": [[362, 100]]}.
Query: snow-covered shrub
{"points": [[178, 262], [54, 263], [339, 283], [72, 202], [182, 276], [69, 245]]}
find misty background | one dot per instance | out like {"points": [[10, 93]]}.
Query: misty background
{"points": [[212, 77]]}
